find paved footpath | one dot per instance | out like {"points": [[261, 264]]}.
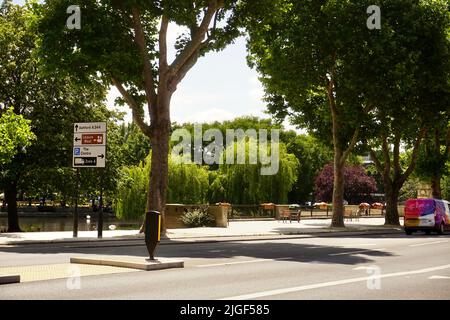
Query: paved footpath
{"points": [[235, 229]]}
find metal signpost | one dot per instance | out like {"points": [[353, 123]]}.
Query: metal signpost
{"points": [[89, 151]]}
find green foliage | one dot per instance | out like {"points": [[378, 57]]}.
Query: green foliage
{"points": [[244, 184], [446, 188], [409, 189], [15, 134], [52, 102], [131, 198], [134, 145], [198, 218], [188, 184], [105, 47], [312, 156]]}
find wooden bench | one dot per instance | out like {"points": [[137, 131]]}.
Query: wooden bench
{"points": [[289, 215], [350, 215]]}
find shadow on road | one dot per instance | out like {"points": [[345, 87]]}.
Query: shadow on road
{"points": [[266, 249]]}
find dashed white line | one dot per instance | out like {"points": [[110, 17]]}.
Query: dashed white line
{"points": [[240, 262], [332, 283], [427, 243], [438, 277]]}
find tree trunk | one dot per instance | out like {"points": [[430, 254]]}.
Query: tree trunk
{"points": [[338, 190], [11, 200], [392, 194], [436, 186], [159, 173]]}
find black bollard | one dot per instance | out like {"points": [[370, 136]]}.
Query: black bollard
{"points": [[152, 231]]}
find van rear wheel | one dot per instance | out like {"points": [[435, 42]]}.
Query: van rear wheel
{"points": [[427, 232], [441, 229], [408, 232]]}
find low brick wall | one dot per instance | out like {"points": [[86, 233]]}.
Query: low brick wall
{"points": [[175, 211]]}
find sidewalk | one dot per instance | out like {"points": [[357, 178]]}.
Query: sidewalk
{"points": [[235, 229]]}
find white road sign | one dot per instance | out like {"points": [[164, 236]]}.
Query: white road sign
{"points": [[89, 127], [89, 145], [89, 157]]}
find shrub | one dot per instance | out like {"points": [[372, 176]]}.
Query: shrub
{"points": [[198, 218]]}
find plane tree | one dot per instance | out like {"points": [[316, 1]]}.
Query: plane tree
{"points": [[124, 44], [409, 62], [309, 54], [382, 87]]}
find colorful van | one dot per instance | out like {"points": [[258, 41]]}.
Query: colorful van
{"points": [[426, 215]]}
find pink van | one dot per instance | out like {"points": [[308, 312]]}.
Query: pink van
{"points": [[426, 215]]}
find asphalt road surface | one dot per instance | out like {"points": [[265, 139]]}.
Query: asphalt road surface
{"points": [[392, 266]]}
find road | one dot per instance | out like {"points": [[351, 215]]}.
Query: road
{"points": [[391, 266]]}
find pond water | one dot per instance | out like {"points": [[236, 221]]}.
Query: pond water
{"points": [[37, 224]]}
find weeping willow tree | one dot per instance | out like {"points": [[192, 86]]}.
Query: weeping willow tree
{"points": [[188, 183], [244, 183]]}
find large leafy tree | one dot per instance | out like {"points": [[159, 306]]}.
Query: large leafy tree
{"points": [[124, 43], [51, 103], [309, 55], [410, 59], [15, 136], [384, 84]]}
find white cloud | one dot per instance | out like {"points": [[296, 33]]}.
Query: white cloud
{"points": [[207, 116]]}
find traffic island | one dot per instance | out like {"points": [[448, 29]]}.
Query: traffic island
{"points": [[140, 263], [9, 278]]}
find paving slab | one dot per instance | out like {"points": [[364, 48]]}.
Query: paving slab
{"points": [[9, 278], [131, 262]]}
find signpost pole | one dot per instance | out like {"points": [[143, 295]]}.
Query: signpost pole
{"points": [[100, 212], [89, 151], [75, 213]]}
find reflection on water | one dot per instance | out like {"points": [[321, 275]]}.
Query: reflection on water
{"points": [[36, 224]]}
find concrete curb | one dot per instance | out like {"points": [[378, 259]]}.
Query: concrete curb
{"points": [[94, 242], [129, 262], [8, 279]]}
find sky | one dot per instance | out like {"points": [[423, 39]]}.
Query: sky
{"points": [[219, 87]]}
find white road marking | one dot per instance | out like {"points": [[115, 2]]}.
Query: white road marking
{"points": [[353, 252], [239, 262], [438, 277], [332, 283], [427, 243]]}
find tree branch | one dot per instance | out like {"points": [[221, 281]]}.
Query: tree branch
{"points": [[149, 85], [197, 39], [133, 106], [376, 161], [352, 144], [163, 45], [415, 154]]}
